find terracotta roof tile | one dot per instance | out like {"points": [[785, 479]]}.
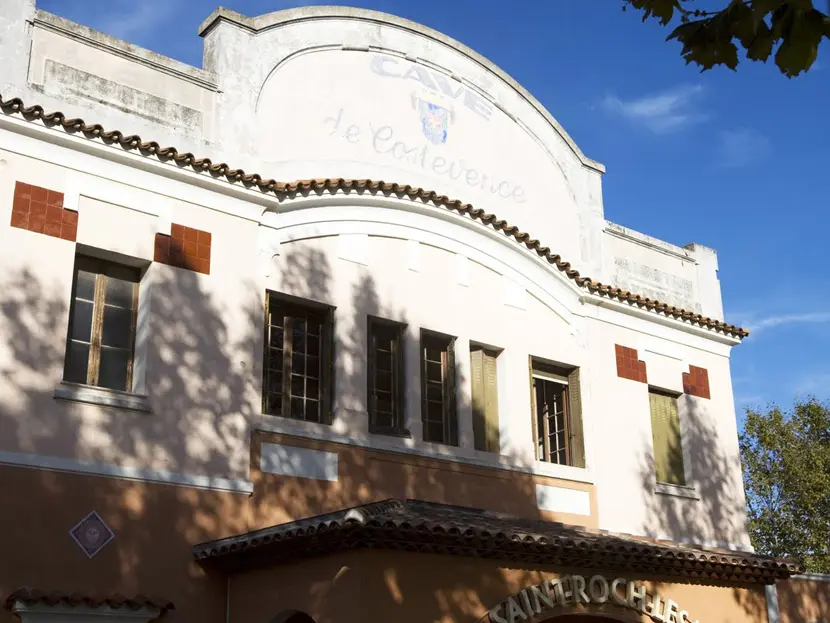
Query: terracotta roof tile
{"points": [[284, 190], [30, 596], [413, 525]]}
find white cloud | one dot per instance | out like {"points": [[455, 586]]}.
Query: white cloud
{"points": [[741, 147], [665, 111], [770, 322]]}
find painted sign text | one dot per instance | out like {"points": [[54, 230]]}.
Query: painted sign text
{"points": [[576, 589]]}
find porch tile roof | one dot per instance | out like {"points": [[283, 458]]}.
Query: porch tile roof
{"points": [[418, 526]]}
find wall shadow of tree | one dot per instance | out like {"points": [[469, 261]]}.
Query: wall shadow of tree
{"points": [[204, 378]]}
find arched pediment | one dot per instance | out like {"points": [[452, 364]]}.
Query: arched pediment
{"points": [[485, 241], [340, 92]]}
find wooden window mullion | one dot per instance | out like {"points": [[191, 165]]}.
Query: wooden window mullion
{"points": [[97, 326], [565, 425], [287, 352]]}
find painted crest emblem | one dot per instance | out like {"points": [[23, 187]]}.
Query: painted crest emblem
{"points": [[435, 120]]}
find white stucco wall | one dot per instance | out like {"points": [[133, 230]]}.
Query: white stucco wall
{"points": [[263, 107]]}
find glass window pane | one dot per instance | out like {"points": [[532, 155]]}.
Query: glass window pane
{"points": [[274, 402], [434, 371], [434, 431], [312, 388], [117, 331], [119, 293], [81, 321], [297, 385], [85, 285], [298, 340], [312, 345], [276, 338], [77, 361], [312, 411], [312, 367], [435, 391], [112, 369], [383, 381], [297, 408], [384, 360], [298, 363]]}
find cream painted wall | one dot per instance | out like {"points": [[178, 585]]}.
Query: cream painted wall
{"points": [[386, 255]]}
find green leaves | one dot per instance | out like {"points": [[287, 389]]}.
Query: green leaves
{"points": [[712, 38], [786, 462]]}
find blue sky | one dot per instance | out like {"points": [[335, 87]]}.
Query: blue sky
{"points": [[736, 161]]}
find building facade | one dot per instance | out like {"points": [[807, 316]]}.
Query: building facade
{"points": [[334, 329]]}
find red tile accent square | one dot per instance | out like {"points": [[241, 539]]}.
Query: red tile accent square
{"points": [[628, 364], [38, 208], [52, 229], [69, 231], [20, 220], [696, 382], [36, 223], [39, 194], [41, 210], [54, 198], [54, 214], [186, 247]]}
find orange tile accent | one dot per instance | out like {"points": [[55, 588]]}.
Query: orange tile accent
{"points": [[696, 382], [185, 247], [41, 210], [628, 364]]}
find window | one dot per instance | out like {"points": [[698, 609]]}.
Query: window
{"points": [[298, 359], [438, 412], [484, 389], [386, 379], [665, 431], [557, 414], [102, 320]]}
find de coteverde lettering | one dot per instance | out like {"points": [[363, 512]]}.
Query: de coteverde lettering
{"points": [[576, 589], [383, 140]]}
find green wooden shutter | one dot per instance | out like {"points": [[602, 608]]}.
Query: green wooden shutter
{"points": [[665, 430], [477, 391], [484, 390], [491, 403], [575, 429]]}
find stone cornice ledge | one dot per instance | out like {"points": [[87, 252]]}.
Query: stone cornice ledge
{"points": [[644, 314], [134, 53]]}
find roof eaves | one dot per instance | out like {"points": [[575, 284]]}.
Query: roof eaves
{"points": [[284, 191]]}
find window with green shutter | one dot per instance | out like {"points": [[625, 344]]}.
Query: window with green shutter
{"points": [[665, 430], [484, 389], [557, 414]]}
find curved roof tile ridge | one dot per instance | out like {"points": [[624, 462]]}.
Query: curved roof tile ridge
{"points": [[285, 190]]}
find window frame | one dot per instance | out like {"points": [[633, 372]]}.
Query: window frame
{"points": [[398, 427], [326, 380], [99, 267], [550, 378], [449, 396], [568, 376]]}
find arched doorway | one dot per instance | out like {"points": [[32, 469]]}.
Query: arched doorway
{"points": [[292, 616]]}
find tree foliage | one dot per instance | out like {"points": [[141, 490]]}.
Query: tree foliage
{"points": [[793, 29], [786, 462]]}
